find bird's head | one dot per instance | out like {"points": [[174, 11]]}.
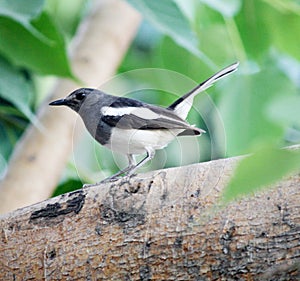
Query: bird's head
{"points": [[75, 99]]}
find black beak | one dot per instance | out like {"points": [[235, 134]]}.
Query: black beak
{"points": [[59, 102]]}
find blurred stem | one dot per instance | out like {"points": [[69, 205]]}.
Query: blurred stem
{"points": [[235, 38]]}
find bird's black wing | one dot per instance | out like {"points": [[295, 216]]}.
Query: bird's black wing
{"points": [[146, 117]]}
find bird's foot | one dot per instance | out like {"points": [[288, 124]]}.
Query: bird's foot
{"points": [[126, 178], [111, 179], [87, 185], [107, 180]]}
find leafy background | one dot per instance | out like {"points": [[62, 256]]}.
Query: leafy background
{"points": [[255, 110]]}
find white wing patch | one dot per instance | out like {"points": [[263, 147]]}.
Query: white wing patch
{"points": [[115, 111], [141, 112], [145, 113]]}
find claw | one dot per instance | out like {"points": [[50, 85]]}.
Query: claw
{"points": [[113, 178]]}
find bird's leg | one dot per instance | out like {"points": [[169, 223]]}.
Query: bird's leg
{"points": [[129, 170], [132, 167], [132, 163], [149, 156], [115, 176], [131, 160]]}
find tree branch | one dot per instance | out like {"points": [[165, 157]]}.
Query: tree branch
{"points": [[163, 225], [40, 156]]}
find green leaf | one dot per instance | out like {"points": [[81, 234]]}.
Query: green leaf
{"points": [[12, 124], [3, 166], [243, 106], [15, 89], [190, 66], [285, 110], [261, 169], [254, 30], [23, 12], [271, 24], [8, 137], [227, 8], [282, 28], [169, 19], [25, 49], [67, 22], [188, 8], [285, 6], [67, 186]]}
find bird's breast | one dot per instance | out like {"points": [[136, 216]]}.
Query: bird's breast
{"points": [[134, 141]]}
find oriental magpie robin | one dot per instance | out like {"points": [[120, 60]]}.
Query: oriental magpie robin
{"points": [[133, 127]]}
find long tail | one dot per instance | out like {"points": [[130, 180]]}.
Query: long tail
{"points": [[183, 105]]}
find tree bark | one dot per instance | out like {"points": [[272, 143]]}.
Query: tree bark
{"points": [[40, 156], [164, 225]]}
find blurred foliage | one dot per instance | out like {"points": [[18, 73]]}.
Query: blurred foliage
{"points": [[263, 168], [253, 110], [259, 104], [27, 39], [67, 186], [32, 45]]}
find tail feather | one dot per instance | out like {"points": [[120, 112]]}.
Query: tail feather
{"points": [[183, 105]]}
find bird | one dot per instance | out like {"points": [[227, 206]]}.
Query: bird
{"points": [[134, 127]]}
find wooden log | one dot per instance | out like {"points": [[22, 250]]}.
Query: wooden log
{"points": [[163, 225]]}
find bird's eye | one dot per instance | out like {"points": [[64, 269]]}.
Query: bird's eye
{"points": [[80, 96]]}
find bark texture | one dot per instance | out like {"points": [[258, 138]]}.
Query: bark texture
{"points": [[163, 225], [40, 156]]}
